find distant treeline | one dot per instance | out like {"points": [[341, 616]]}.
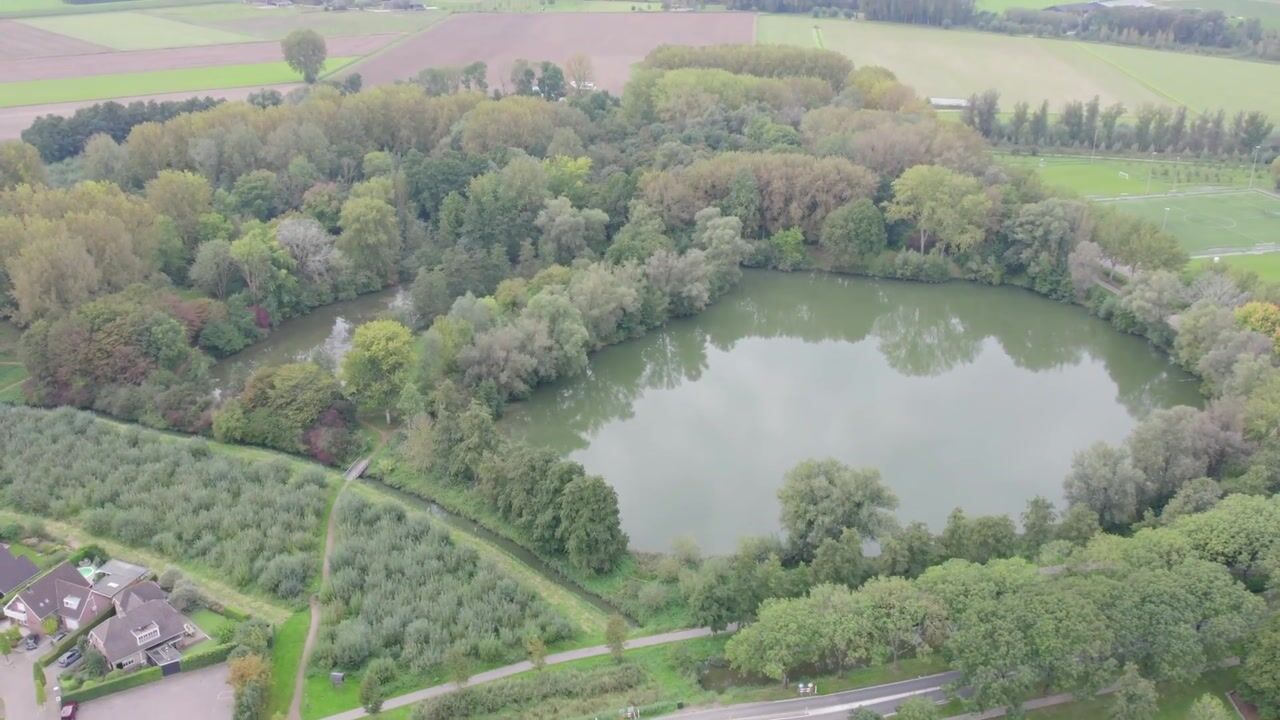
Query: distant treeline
{"points": [[1089, 124], [58, 138]]}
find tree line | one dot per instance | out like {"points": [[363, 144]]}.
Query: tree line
{"points": [[1156, 129]]}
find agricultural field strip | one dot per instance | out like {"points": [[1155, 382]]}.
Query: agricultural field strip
{"points": [[588, 618], [134, 31], [193, 80], [141, 61]]}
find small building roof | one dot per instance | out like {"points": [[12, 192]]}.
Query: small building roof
{"points": [[14, 570], [116, 575], [145, 626], [140, 593], [41, 598]]}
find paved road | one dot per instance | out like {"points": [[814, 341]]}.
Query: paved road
{"points": [[880, 698], [17, 689], [509, 670]]}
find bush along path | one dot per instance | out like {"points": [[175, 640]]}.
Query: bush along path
{"points": [[330, 540], [524, 666]]}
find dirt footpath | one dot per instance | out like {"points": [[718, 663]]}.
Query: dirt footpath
{"points": [[613, 41]]}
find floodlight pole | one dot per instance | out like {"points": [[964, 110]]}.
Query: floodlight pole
{"points": [[1165, 224], [1150, 168], [1254, 168]]}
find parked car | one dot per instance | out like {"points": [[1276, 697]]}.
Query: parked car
{"points": [[33, 642], [69, 658], [69, 711], [57, 637]]}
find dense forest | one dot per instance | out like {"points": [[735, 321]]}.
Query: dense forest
{"points": [[531, 230]]}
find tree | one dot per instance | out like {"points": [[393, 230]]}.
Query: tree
{"points": [[250, 676], [377, 366], [371, 693], [917, 708], [853, 233], [615, 636], [841, 561], [1104, 479], [370, 237], [580, 73], [942, 203], [1260, 675], [49, 625], [537, 649], [1037, 526], [589, 525], [1209, 707], [1134, 698], [305, 52], [20, 165], [820, 498], [214, 268], [183, 197], [457, 664]]}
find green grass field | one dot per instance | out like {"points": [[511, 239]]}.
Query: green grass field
{"points": [[999, 6], [1266, 267], [286, 655], [1108, 177], [1205, 222], [956, 63], [101, 87], [135, 31]]}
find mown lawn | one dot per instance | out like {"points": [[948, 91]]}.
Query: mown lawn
{"points": [[211, 623], [275, 23], [1107, 177], [104, 87], [1206, 223], [286, 655], [135, 31], [1266, 267], [38, 8]]}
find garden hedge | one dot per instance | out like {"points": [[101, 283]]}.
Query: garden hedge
{"points": [[115, 685], [38, 671], [205, 658]]}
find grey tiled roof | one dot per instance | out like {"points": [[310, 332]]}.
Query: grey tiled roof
{"points": [[14, 570], [119, 635]]}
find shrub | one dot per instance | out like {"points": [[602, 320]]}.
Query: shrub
{"points": [[493, 698], [112, 685]]}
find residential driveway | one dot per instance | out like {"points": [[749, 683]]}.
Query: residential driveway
{"points": [[17, 689], [197, 695]]}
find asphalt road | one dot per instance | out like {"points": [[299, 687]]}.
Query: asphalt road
{"points": [[880, 698]]}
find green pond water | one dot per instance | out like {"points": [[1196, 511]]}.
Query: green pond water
{"points": [[323, 335], [962, 395]]}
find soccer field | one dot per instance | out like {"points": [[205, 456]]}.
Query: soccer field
{"points": [[958, 63], [1208, 223]]}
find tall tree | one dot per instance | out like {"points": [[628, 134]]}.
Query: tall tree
{"points": [[377, 366], [821, 498], [1134, 697], [943, 205], [305, 52]]}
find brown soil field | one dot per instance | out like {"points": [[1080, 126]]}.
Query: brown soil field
{"points": [[16, 119], [613, 41], [109, 62], [23, 41]]}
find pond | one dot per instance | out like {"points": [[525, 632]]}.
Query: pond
{"points": [[961, 395], [323, 335]]}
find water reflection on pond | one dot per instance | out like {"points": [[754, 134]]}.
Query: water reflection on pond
{"points": [[961, 395], [323, 335]]}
